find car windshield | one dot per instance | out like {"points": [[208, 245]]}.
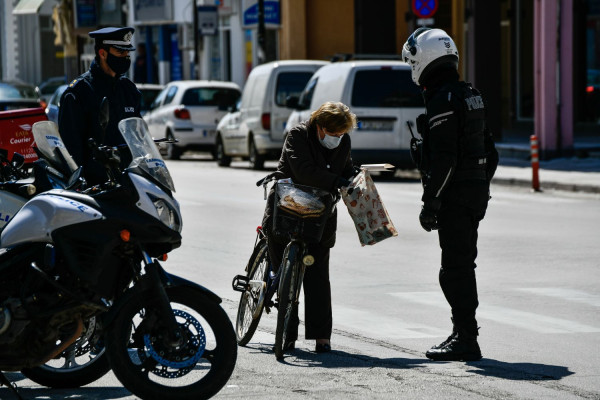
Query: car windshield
{"points": [[290, 84], [17, 91], [385, 87], [207, 96], [144, 151]]}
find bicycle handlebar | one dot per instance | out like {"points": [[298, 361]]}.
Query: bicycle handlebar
{"points": [[269, 178]]}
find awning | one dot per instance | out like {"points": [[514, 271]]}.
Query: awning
{"points": [[27, 7]]}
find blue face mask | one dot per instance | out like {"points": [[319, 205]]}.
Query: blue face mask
{"points": [[330, 142]]}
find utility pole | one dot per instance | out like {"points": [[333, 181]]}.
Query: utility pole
{"points": [[196, 74], [261, 31]]}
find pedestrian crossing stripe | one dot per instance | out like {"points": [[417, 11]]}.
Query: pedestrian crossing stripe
{"points": [[576, 296], [522, 319]]}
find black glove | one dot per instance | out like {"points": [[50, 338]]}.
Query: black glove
{"points": [[428, 215]]}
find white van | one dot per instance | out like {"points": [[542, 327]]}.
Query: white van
{"points": [[384, 98], [255, 131]]}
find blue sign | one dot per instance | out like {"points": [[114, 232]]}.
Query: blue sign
{"points": [[424, 8], [85, 12], [176, 62], [271, 11]]}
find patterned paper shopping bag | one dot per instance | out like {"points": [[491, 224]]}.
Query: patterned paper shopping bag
{"points": [[366, 208]]}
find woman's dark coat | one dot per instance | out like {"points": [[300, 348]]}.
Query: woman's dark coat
{"points": [[307, 162]]}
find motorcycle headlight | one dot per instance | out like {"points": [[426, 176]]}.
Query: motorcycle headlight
{"points": [[167, 214]]}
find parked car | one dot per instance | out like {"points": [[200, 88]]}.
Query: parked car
{"points": [[46, 89], [254, 131], [592, 90], [15, 95], [54, 103], [149, 93], [189, 111], [382, 95]]}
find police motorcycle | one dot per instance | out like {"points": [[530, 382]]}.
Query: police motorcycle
{"points": [[67, 257], [84, 361]]}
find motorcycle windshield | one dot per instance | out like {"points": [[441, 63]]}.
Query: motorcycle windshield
{"points": [[144, 151], [50, 144]]}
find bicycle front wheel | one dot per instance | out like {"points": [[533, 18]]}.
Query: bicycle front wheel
{"points": [[287, 293], [252, 300]]}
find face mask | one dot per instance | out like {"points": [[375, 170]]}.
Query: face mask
{"points": [[331, 142], [118, 64]]}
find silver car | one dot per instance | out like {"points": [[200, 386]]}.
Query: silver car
{"points": [[188, 112], [54, 104]]}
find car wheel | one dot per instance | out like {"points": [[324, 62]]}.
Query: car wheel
{"points": [[173, 151], [222, 159], [257, 161]]}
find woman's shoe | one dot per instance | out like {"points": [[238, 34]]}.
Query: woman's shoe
{"points": [[322, 348], [288, 346]]}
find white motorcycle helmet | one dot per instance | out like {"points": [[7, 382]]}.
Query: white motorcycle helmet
{"points": [[427, 49]]}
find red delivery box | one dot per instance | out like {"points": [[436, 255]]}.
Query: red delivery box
{"points": [[15, 131]]}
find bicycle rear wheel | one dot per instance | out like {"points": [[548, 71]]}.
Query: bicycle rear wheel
{"points": [[252, 300], [287, 294]]}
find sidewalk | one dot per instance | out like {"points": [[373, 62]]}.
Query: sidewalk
{"points": [[571, 174]]}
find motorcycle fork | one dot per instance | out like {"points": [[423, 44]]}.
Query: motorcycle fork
{"points": [[162, 303]]}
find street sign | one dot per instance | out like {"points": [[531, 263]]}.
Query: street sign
{"points": [[424, 8], [207, 20], [250, 13]]}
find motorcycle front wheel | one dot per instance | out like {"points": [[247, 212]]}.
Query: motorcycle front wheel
{"points": [[152, 367], [80, 364]]}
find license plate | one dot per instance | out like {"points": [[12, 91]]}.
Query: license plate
{"points": [[376, 125]]}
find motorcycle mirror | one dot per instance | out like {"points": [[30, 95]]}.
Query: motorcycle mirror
{"points": [[18, 160], [103, 117]]}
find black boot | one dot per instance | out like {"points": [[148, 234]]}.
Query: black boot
{"points": [[445, 342], [461, 346]]}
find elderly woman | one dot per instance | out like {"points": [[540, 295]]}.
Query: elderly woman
{"points": [[316, 153]]}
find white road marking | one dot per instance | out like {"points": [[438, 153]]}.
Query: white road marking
{"points": [[573, 295], [522, 319], [383, 327]]}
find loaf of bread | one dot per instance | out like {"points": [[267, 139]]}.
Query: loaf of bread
{"points": [[301, 203]]}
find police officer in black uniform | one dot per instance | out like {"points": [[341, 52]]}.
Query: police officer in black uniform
{"points": [[78, 118], [457, 159]]}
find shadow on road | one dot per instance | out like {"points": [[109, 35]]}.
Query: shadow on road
{"points": [[86, 392], [485, 367], [519, 371]]}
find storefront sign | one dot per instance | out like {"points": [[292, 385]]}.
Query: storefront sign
{"points": [[152, 10]]}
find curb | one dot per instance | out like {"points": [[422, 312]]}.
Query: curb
{"points": [[525, 183], [567, 187]]}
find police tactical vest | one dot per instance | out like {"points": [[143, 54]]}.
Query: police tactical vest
{"points": [[472, 160]]}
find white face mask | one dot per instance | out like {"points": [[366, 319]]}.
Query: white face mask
{"points": [[330, 142]]}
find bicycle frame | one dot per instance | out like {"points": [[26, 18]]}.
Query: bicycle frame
{"points": [[261, 281]]}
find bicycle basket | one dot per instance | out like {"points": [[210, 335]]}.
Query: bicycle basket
{"points": [[301, 211]]}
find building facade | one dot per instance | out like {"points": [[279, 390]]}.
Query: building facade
{"points": [[536, 61]]}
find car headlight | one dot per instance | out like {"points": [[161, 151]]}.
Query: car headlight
{"points": [[167, 214]]}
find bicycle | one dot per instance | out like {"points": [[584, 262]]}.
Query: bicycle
{"points": [[299, 214]]}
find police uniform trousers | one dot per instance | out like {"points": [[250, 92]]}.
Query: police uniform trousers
{"points": [[317, 291], [458, 223]]}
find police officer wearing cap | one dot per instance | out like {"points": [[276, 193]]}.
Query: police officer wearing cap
{"points": [[78, 117], [457, 159]]}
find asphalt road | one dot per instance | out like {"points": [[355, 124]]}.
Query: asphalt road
{"points": [[538, 274]]}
